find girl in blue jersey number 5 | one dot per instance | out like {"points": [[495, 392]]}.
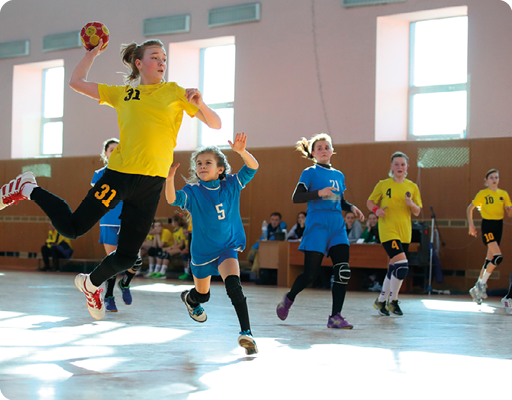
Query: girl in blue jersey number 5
{"points": [[212, 197]]}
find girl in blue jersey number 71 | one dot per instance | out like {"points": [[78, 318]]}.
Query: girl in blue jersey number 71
{"points": [[212, 196]]}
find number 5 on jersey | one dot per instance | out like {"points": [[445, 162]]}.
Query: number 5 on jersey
{"points": [[220, 211]]}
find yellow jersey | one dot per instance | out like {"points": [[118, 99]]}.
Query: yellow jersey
{"points": [[55, 238], [179, 236], [492, 204], [149, 118], [396, 224], [166, 237]]}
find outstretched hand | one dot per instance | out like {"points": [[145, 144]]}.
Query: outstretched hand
{"points": [[239, 144], [357, 212], [172, 171], [96, 51]]}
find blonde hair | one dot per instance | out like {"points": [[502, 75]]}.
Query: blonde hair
{"points": [[106, 144], [132, 52], [306, 147], [220, 158], [397, 154]]}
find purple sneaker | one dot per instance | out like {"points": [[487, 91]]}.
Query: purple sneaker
{"points": [[284, 307], [338, 322]]}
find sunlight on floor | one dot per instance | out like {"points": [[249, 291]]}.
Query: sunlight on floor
{"points": [[451, 305], [162, 287]]}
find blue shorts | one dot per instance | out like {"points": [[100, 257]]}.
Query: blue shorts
{"points": [[324, 229], [212, 268], [109, 235]]}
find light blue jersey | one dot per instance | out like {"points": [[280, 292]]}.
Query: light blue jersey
{"points": [[215, 210], [325, 226], [112, 218]]}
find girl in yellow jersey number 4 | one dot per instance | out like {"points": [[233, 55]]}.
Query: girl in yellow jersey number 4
{"points": [[492, 203], [393, 200]]}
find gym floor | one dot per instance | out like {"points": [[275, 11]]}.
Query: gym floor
{"points": [[444, 347]]}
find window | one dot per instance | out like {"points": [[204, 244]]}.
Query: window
{"points": [[438, 78], [217, 84], [52, 111]]}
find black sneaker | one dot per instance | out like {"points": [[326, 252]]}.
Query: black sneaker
{"points": [[394, 307], [380, 306]]}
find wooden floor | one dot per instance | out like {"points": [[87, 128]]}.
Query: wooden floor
{"points": [[444, 347]]}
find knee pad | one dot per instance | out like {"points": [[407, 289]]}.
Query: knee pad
{"points": [[391, 270], [153, 251], [497, 259], [401, 270], [136, 266], [197, 297], [234, 289], [163, 255], [341, 273]]}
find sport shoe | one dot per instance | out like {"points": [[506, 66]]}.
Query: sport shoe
{"points": [[246, 341], [95, 303], [125, 291], [184, 276], [475, 295], [394, 308], [11, 193], [283, 308], [161, 276], [380, 306], [196, 313], [110, 304], [482, 289], [338, 322], [507, 303], [148, 274]]}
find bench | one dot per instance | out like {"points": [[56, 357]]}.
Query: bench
{"points": [[84, 265]]}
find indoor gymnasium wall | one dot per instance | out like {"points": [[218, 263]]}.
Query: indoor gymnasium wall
{"points": [[452, 173]]}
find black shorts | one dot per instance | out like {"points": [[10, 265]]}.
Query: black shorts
{"points": [[492, 230], [395, 247]]}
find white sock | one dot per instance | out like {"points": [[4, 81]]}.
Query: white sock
{"points": [[384, 294], [151, 267], [485, 277], [157, 269], [89, 286], [163, 269], [27, 189], [395, 286]]}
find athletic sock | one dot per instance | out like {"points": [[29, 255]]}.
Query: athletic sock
{"points": [[127, 278], [384, 294], [485, 277], [110, 287], [157, 269], [395, 286], [163, 269], [338, 297], [151, 268], [27, 189]]}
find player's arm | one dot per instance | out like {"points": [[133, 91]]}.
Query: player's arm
{"points": [[415, 209], [238, 146], [205, 114], [373, 207], [78, 81], [469, 213], [170, 191]]}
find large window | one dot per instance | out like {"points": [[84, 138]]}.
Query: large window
{"points": [[52, 111], [438, 78], [217, 84]]}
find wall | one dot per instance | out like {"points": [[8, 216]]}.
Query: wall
{"points": [[448, 190], [306, 67]]}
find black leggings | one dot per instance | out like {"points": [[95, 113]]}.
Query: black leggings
{"points": [[312, 267], [140, 195]]}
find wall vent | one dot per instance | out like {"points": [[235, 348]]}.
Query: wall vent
{"points": [[15, 49], [234, 14], [166, 25], [354, 3], [62, 41]]}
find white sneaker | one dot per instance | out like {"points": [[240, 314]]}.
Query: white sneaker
{"points": [[11, 193], [196, 313], [95, 303], [246, 341], [507, 303], [475, 295], [482, 289]]}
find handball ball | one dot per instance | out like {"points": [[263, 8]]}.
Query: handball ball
{"points": [[91, 34]]}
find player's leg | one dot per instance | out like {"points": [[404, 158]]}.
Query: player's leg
{"points": [[109, 238], [193, 298], [341, 272]]}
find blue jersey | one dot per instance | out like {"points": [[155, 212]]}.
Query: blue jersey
{"points": [[318, 177], [112, 217], [215, 210]]}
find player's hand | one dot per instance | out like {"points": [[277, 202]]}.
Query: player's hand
{"points": [[239, 144], [408, 199], [194, 96], [380, 212], [172, 171], [96, 51], [472, 231], [328, 191], [357, 212]]}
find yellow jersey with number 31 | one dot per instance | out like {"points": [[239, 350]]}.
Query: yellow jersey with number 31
{"points": [[396, 224], [492, 204], [149, 118]]}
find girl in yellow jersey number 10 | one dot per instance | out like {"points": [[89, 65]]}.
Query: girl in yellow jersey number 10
{"points": [[492, 203], [393, 200]]}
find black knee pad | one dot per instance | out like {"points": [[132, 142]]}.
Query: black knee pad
{"points": [[497, 259], [234, 289], [341, 273], [197, 297], [153, 251], [401, 270], [163, 255]]}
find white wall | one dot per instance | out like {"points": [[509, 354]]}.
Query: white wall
{"points": [[281, 95]]}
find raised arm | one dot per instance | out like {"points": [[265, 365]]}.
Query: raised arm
{"points": [[78, 81], [238, 146], [469, 213], [205, 113], [170, 191]]}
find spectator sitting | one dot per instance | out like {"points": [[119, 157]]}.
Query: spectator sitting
{"points": [[354, 228], [371, 233], [158, 238], [297, 230], [56, 247]]}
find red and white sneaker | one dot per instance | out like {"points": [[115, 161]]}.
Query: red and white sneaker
{"points": [[11, 193], [95, 303]]}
